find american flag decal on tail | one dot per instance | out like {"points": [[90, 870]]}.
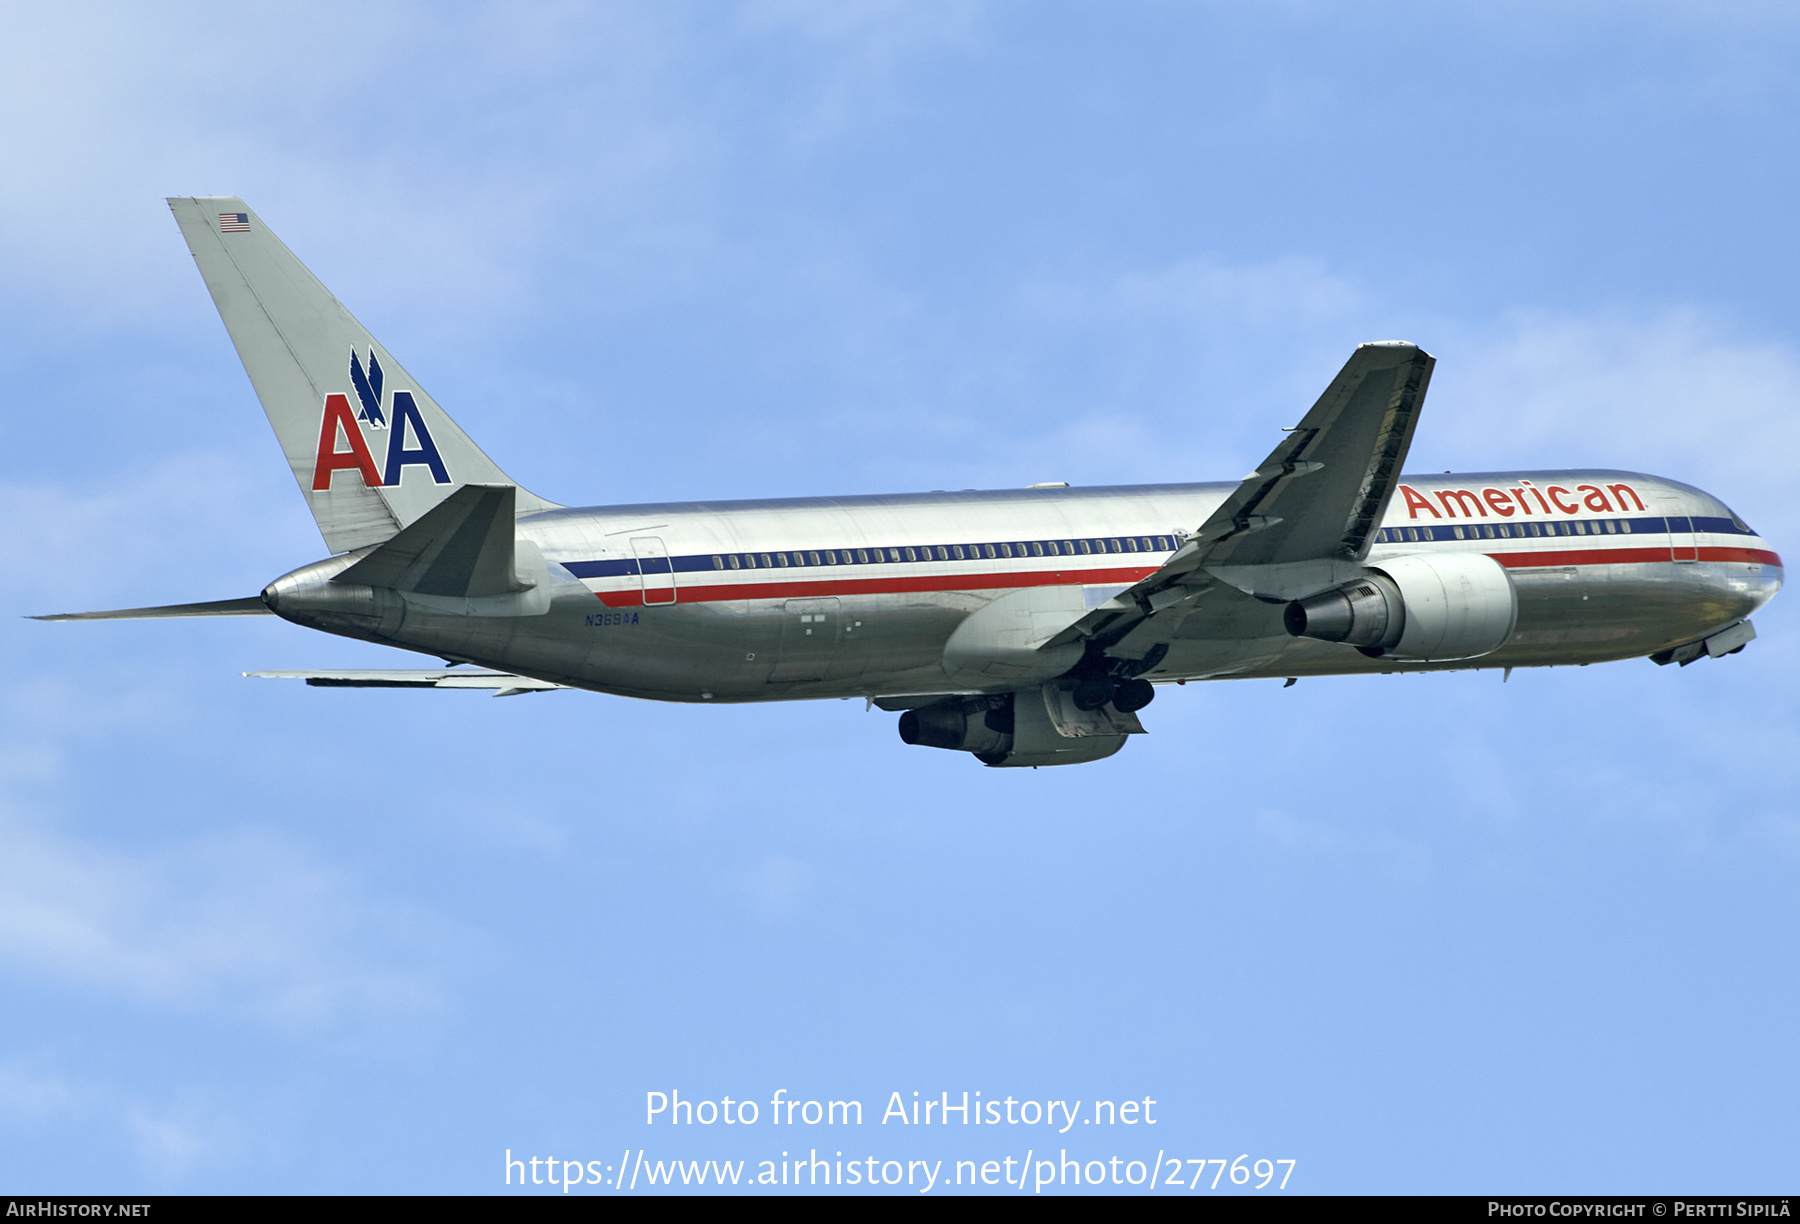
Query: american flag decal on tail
{"points": [[234, 223]]}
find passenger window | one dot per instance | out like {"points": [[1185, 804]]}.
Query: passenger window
{"points": [[1625, 526], [911, 555], [781, 559], [943, 553], [1612, 526], [718, 561], [1505, 532], [1162, 544], [1087, 546], [1037, 549], [988, 551], [1487, 529], [1130, 544], [766, 563], [813, 558], [956, 551], [1006, 550], [1112, 546], [733, 558], [1068, 548], [862, 556]]}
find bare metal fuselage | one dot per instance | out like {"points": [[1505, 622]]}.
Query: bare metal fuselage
{"points": [[857, 596]]}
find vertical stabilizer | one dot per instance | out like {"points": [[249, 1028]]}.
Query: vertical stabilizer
{"points": [[372, 451]]}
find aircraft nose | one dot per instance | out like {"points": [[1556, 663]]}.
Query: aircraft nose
{"points": [[1752, 585]]}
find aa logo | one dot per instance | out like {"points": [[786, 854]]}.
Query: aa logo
{"points": [[403, 420]]}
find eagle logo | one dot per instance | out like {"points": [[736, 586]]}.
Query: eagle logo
{"points": [[368, 390]]}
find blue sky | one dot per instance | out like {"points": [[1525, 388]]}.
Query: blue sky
{"points": [[1416, 933]]}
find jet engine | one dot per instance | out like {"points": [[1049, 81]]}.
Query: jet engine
{"points": [[982, 725], [1432, 607], [1011, 729]]}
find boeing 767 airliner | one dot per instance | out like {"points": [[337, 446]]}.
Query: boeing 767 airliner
{"points": [[1026, 626]]}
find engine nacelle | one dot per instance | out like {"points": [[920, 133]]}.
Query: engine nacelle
{"points": [[980, 725], [1435, 607], [1008, 729]]}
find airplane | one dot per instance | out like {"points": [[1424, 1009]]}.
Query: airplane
{"points": [[1026, 627]]}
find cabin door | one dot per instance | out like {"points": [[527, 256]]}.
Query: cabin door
{"points": [[1682, 546], [654, 569]]}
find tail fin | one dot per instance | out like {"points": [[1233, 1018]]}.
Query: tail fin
{"points": [[372, 452]]}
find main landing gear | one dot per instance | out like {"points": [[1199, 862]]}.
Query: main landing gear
{"points": [[1127, 695]]}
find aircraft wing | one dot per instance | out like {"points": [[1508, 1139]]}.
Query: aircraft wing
{"points": [[504, 684], [1316, 500]]}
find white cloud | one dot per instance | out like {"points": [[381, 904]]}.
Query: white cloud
{"points": [[175, 523], [169, 1139], [775, 885], [1673, 392], [864, 44], [243, 923]]}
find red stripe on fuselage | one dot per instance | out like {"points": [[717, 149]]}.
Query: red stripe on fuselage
{"points": [[1627, 556], [633, 597], [710, 593]]}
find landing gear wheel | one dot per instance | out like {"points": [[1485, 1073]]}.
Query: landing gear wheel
{"points": [[1132, 695], [1093, 692]]}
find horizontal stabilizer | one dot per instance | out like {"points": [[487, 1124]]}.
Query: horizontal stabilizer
{"points": [[504, 684], [461, 548], [253, 606]]}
